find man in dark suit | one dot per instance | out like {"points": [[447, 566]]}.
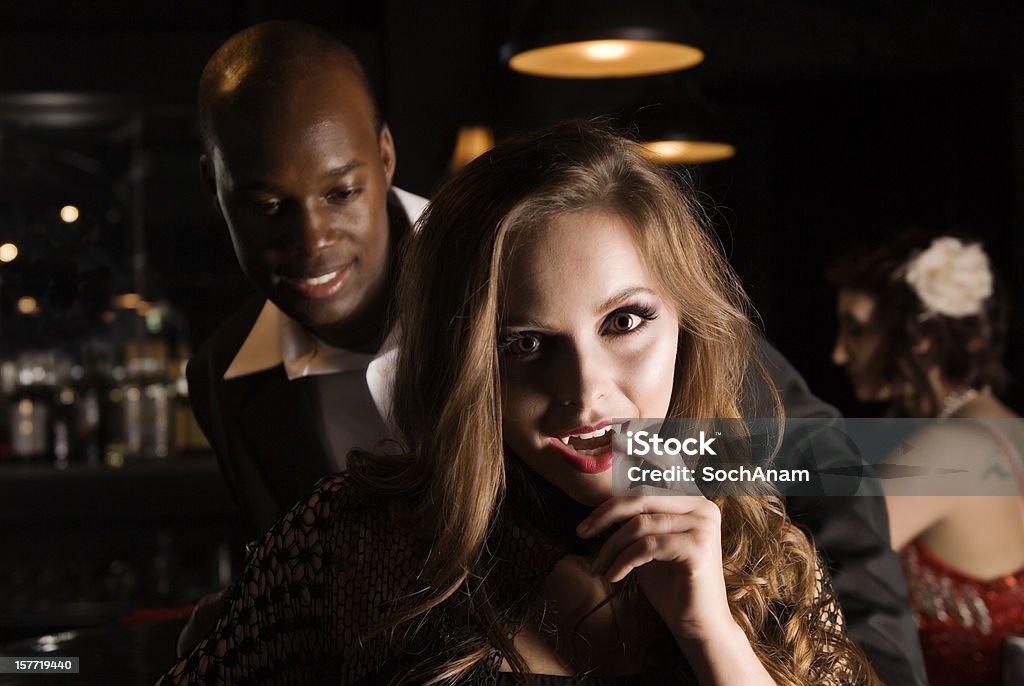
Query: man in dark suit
{"points": [[851, 531], [299, 164]]}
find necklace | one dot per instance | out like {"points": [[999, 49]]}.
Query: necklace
{"points": [[952, 403]]}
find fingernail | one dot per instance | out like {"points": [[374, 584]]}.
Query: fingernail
{"points": [[583, 528]]}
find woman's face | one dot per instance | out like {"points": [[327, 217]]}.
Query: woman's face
{"points": [[586, 338], [859, 345]]}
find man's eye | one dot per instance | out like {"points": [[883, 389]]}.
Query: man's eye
{"points": [[270, 207], [341, 195], [519, 345]]}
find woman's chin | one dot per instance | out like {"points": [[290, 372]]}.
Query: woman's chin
{"points": [[592, 494], [873, 394]]}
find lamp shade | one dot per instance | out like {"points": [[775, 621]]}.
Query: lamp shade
{"points": [[471, 141], [595, 39], [683, 132], [673, 151], [63, 110]]}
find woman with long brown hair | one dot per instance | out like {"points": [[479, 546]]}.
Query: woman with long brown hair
{"points": [[922, 328], [558, 283]]}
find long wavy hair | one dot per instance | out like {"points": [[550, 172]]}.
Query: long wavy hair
{"points": [[448, 400]]}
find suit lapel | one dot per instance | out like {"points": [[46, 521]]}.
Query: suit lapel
{"points": [[279, 422]]}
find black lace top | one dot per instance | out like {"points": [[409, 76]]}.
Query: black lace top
{"points": [[328, 572]]}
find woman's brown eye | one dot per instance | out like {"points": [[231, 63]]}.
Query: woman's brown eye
{"points": [[519, 345], [624, 323], [525, 345]]}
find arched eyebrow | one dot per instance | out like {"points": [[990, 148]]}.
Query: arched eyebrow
{"points": [[531, 324], [615, 300], [624, 294]]}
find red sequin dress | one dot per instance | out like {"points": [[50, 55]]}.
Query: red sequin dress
{"points": [[962, 620]]}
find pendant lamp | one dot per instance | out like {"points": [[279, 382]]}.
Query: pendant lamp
{"points": [[682, 132], [595, 39], [471, 141]]}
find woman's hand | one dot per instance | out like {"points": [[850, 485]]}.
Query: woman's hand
{"points": [[674, 542]]}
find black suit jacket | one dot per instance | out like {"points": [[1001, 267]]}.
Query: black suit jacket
{"points": [[265, 430], [268, 438], [852, 533]]}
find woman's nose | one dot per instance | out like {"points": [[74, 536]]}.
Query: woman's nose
{"points": [[581, 378], [840, 355]]}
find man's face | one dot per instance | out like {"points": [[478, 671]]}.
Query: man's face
{"points": [[301, 177]]}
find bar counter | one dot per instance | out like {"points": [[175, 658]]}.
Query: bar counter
{"points": [[105, 563]]}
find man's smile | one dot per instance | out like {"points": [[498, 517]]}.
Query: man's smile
{"points": [[319, 285]]}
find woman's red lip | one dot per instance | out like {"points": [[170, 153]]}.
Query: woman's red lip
{"points": [[588, 464]]}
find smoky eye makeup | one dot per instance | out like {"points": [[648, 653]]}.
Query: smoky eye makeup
{"points": [[519, 344], [629, 319]]}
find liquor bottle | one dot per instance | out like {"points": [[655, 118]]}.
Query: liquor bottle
{"points": [[31, 406], [63, 425], [8, 383], [90, 384], [148, 401]]}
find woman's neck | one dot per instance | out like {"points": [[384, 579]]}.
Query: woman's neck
{"points": [[941, 398]]}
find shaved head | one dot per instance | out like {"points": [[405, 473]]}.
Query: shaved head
{"points": [[254, 65], [299, 165]]}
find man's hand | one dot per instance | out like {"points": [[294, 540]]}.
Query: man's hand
{"points": [[202, 621]]}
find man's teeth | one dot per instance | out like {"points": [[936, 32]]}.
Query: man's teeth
{"points": [[593, 434], [320, 280]]}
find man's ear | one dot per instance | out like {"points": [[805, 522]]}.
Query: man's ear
{"points": [[387, 152], [209, 179]]}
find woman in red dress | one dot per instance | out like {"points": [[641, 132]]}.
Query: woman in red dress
{"points": [[921, 327]]}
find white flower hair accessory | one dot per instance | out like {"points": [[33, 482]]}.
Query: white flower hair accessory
{"points": [[950, 278]]}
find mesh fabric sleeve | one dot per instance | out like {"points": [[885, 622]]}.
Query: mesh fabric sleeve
{"points": [[303, 611]]}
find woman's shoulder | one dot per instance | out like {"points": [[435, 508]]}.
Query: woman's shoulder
{"points": [[960, 456], [339, 514], [339, 490], [988, 406], [342, 496], [950, 442], [333, 497]]}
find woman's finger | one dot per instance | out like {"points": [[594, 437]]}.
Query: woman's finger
{"points": [[646, 524], [675, 547], [618, 509]]}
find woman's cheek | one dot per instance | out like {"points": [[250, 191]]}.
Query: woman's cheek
{"points": [[520, 414], [650, 376]]}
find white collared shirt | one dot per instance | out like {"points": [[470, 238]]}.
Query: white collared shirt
{"points": [[277, 339]]}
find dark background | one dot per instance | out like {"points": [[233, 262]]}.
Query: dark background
{"points": [[852, 119]]}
